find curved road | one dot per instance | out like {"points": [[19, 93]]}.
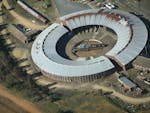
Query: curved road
{"points": [[125, 98]]}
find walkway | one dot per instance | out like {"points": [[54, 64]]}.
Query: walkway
{"points": [[125, 98]]}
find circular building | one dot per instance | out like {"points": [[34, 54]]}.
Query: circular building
{"points": [[88, 44]]}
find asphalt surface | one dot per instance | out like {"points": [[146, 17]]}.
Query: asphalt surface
{"points": [[141, 8], [65, 7]]}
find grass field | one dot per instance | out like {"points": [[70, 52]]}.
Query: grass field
{"points": [[90, 103], [144, 111], [49, 12], [81, 102]]}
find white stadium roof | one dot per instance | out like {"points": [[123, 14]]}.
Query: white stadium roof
{"points": [[131, 39]]}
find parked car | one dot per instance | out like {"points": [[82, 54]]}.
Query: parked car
{"points": [[110, 6]]}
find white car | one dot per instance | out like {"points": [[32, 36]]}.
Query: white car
{"points": [[110, 6]]}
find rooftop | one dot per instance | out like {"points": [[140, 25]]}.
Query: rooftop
{"points": [[127, 82]]}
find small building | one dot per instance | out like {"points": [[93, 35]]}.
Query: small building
{"points": [[17, 33], [128, 84], [118, 75]]}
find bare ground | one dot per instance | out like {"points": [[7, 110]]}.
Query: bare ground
{"points": [[24, 104], [125, 98]]}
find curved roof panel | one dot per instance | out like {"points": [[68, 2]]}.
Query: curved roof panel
{"points": [[131, 33]]}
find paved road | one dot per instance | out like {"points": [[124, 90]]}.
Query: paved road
{"points": [[65, 7]]}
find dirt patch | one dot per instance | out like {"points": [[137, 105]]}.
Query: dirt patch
{"points": [[24, 104], [19, 53], [7, 106]]}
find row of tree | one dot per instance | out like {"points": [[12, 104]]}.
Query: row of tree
{"points": [[16, 78]]}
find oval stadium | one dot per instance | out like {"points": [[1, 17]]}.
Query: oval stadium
{"points": [[86, 45]]}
